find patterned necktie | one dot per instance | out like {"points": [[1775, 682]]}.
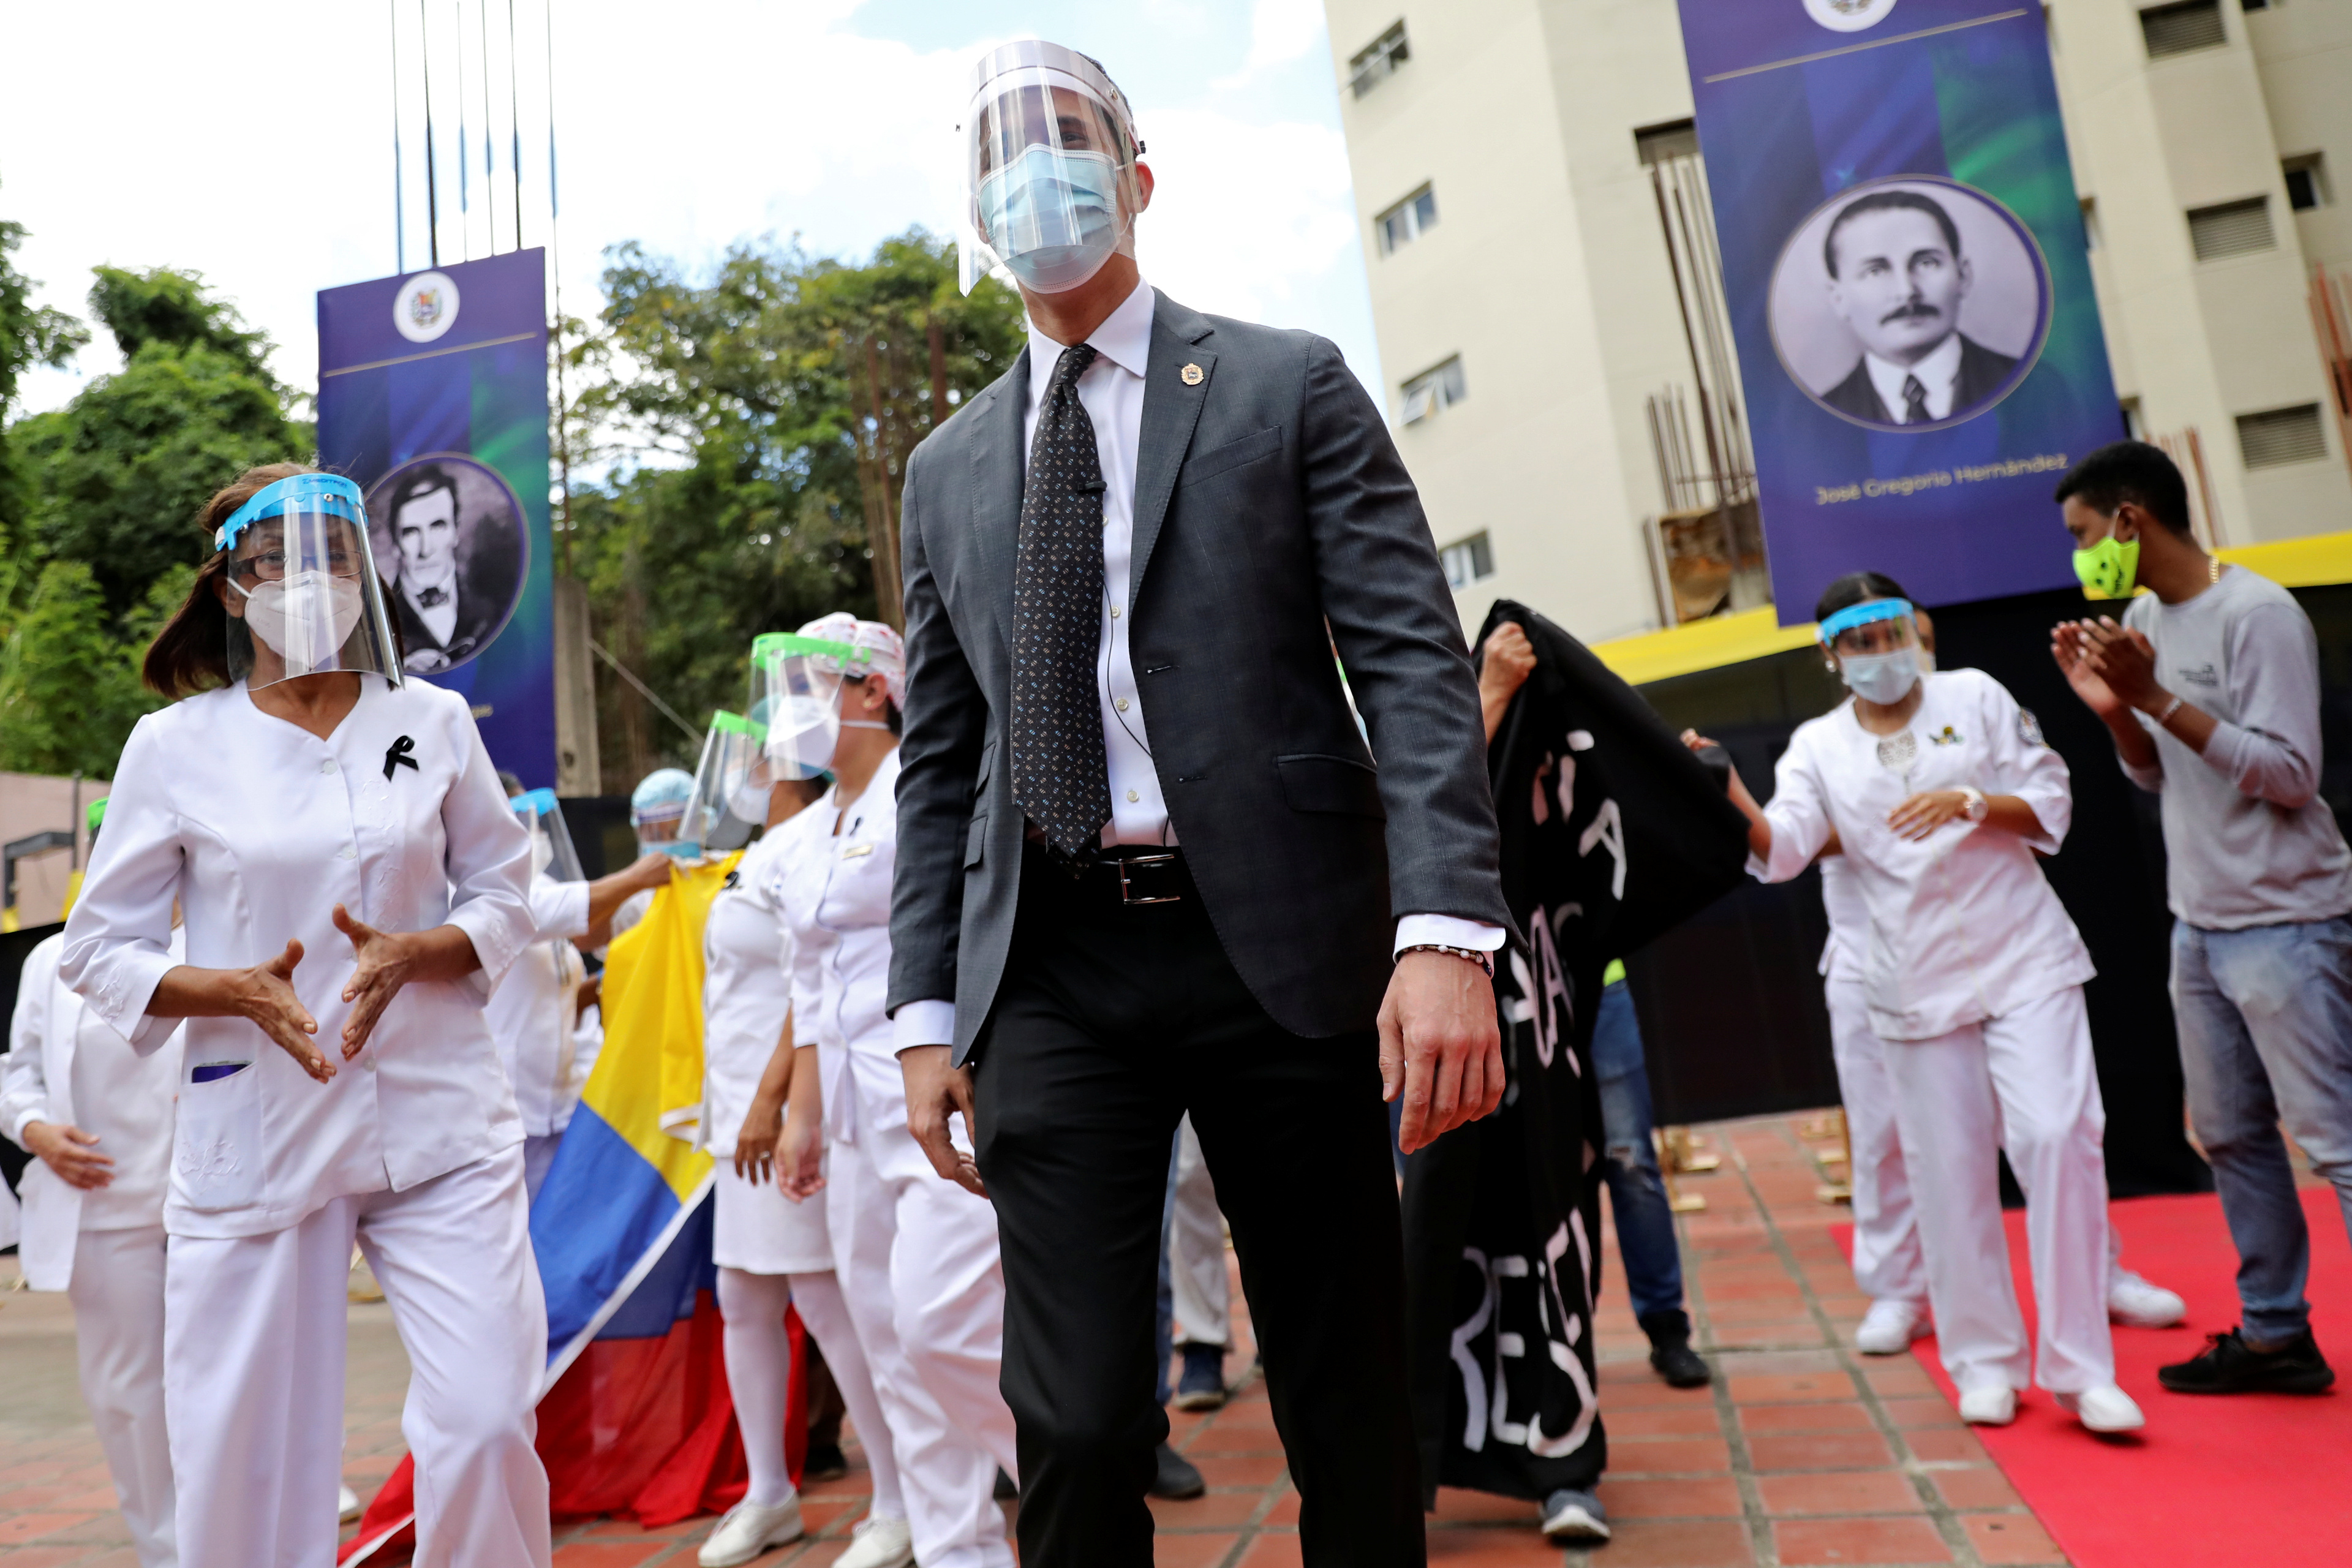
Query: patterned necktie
{"points": [[1915, 401], [1060, 778]]}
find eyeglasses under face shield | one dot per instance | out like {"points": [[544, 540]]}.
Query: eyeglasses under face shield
{"points": [[302, 595]]}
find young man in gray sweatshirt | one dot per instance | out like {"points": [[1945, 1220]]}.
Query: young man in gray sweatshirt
{"points": [[2211, 687]]}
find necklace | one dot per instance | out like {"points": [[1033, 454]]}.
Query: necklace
{"points": [[2212, 569]]}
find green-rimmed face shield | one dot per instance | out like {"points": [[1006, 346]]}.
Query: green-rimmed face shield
{"points": [[301, 593], [796, 692], [551, 849], [730, 785]]}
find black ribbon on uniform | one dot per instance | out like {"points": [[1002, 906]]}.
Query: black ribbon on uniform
{"points": [[396, 756]]}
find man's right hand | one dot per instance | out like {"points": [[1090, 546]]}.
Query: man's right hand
{"points": [[935, 1090], [2072, 646], [71, 1152]]}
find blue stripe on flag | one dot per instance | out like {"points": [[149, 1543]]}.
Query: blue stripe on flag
{"points": [[602, 1206]]}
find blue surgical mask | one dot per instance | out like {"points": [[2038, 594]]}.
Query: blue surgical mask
{"points": [[1052, 216], [1883, 678]]}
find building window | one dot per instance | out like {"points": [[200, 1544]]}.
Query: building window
{"points": [[2306, 182], [1378, 60], [2279, 436], [1467, 560], [1659, 144], [2090, 223], [1403, 223], [2231, 228], [2254, 5], [1433, 389], [2180, 28]]}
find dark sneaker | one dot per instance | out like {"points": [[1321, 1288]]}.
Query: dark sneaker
{"points": [[825, 1462], [1573, 1516], [1670, 1352], [2229, 1365], [1174, 1476], [1202, 1384]]}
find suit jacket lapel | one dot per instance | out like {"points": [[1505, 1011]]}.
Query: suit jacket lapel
{"points": [[996, 482], [1171, 409]]}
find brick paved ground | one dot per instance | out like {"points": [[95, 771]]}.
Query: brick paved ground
{"points": [[1801, 1453]]}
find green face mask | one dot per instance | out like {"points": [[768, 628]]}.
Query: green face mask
{"points": [[2109, 569]]}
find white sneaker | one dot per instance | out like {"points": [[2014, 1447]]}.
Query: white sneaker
{"points": [[2136, 1304], [879, 1542], [749, 1529], [2104, 1409], [1890, 1326], [1992, 1405], [347, 1505]]}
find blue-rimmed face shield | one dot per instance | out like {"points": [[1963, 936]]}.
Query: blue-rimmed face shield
{"points": [[1877, 627], [302, 594], [551, 849]]}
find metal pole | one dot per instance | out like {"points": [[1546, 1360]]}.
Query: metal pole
{"points": [[399, 223], [555, 269], [514, 117], [432, 181], [489, 174]]}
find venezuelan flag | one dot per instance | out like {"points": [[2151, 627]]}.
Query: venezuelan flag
{"points": [[634, 1414]]}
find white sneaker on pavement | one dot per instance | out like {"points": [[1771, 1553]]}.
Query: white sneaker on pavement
{"points": [[1890, 1326], [749, 1529], [2104, 1409], [2136, 1304], [879, 1542], [1993, 1405]]}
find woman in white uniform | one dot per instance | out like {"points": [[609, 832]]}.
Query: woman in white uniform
{"points": [[1940, 792], [771, 1250], [98, 1115], [917, 1257], [353, 884]]}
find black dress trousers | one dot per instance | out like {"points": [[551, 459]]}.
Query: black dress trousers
{"points": [[1112, 1021]]}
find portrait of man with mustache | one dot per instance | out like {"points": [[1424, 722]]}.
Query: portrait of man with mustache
{"points": [[1897, 278]]}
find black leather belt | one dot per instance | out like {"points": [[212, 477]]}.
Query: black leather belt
{"points": [[1151, 877]]}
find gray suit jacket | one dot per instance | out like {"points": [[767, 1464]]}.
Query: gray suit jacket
{"points": [[1268, 497]]}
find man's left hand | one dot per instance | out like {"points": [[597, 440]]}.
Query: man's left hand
{"points": [[937, 1089], [1440, 1047], [2125, 660]]}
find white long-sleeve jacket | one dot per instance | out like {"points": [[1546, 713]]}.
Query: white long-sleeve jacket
{"points": [[834, 891], [1963, 926], [260, 828]]}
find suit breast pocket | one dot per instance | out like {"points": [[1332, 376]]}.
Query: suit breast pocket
{"points": [[1339, 785], [1233, 455], [217, 1146]]}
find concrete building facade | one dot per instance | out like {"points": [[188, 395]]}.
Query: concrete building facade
{"points": [[1550, 323]]}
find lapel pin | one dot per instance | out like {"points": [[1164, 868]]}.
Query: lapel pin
{"points": [[1192, 374]]}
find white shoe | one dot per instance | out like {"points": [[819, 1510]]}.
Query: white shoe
{"points": [[1890, 1326], [347, 1505], [2136, 1304], [2104, 1409], [879, 1542], [749, 1529], [1992, 1405]]}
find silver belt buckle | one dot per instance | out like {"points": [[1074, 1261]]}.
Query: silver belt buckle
{"points": [[1127, 891]]}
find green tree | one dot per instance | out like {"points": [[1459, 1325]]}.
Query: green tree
{"points": [[29, 335], [118, 475], [756, 426], [69, 686]]}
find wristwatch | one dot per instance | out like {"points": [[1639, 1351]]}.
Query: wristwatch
{"points": [[1485, 960], [1978, 807]]}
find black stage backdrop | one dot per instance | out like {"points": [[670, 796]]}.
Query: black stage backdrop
{"points": [[1731, 1003], [1610, 833]]}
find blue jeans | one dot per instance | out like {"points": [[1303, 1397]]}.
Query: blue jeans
{"points": [[2265, 1020], [1637, 1196]]}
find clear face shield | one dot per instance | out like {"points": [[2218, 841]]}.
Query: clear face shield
{"points": [[1876, 648], [658, 808], [552, 850], [302, 594], [796, 693], [730, 786], [1050, 188]]}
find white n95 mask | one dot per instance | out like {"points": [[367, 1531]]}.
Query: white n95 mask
{"points": [[306, 618]]}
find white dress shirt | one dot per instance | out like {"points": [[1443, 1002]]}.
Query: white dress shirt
{"points": [[260, 828], [1111, 392], [1939, 374], [1960, 926]]}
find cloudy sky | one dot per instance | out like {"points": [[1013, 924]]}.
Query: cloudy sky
{"points": [[253, 140]]}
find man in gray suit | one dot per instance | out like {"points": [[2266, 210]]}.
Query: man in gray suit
{"points": [[1240, 911]]}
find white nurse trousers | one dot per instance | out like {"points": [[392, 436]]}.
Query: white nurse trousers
{"points": [[2024, 1082], [117, 1290], [253, 1374], [918, 1262], [1887, 1263]]}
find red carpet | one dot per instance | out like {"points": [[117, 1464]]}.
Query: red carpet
{"points": [[2245, 1482]]}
